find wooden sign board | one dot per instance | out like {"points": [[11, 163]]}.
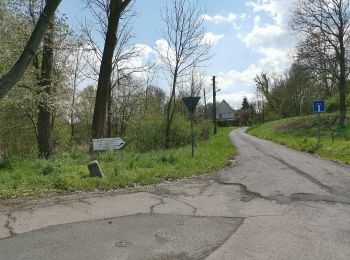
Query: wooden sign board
{"points": [[107, 144]]}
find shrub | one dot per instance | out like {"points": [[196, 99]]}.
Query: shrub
{"points": [[204, 130], [180, 132], [149, 133], [333, 103], [50, 168], [227, 123], [5, 164], [146, 134]]}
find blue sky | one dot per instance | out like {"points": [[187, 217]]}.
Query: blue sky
{"points": [[248, 37]]}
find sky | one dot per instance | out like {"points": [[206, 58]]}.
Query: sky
{"points": [[248, 37]]}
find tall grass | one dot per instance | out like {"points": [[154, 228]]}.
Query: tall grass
{"points": [[121, 169]]}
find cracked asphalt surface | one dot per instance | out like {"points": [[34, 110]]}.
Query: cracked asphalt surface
{"points": [[271, 203]]}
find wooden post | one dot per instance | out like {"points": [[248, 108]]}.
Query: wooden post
{"points": [[214, 105]]}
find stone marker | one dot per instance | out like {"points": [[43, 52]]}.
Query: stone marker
{"points": [[95, 170]]}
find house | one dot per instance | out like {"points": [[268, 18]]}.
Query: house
{"points": [[224, 111]]}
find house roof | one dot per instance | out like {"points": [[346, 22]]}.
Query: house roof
{"points": [[226, 105]]}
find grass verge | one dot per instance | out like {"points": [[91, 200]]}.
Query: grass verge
{"points": [[122, 169], [300, 133]]}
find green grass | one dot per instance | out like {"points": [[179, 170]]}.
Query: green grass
{"points": [[301, 133], [121, 169]]}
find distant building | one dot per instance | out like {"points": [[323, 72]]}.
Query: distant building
{"points": [[224, 111]]}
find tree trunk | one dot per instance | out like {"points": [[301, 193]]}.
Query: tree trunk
{"points": [[76, 69], [29, 52], [170, 110], [342, 85], [245, 121], [205, 106], [44, 106], [109, 114], [72, 124], [169, 120], [116, 7], [44, 133]]}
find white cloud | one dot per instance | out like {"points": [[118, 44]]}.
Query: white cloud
{"points": [[270, 38], [163, 49], [263, 35], [235, 80], [211, 38], [231, 17], [277, 9], [145, 54]]}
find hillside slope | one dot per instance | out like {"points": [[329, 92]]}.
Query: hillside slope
{"points": [[301, 133]]}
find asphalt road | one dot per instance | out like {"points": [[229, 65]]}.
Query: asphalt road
{"points": [[271, 203]]}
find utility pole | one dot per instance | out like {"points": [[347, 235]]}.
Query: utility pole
{"points": [[214, 105]]}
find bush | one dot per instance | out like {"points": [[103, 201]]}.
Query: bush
{"points": [[332, 104], [226, 123], [204, 130], [149, 133], [5, 164], [180, 132], [49, 168], [146, 134]]}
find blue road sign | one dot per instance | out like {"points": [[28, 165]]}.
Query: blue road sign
{"points": [[319, 106]]}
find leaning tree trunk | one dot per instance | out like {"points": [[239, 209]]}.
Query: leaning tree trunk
{"points": [[116, 7], [44, 115], [29, 52]]}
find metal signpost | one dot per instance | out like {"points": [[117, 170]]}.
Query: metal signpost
{"points": [[214, 105], [106, 144], [319, 107], [191, 104]]}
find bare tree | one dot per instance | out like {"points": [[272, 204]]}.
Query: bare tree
{"points": [[269, 86], [325, 24], [185, 47], [128, 95], [262, 82], [79, 66], [197, 80], [30, 50], [314, 54]]}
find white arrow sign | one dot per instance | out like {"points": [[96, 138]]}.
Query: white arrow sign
{"points": [[106, 144]]}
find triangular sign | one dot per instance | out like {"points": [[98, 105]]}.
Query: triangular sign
{"points": [[191, 103]]}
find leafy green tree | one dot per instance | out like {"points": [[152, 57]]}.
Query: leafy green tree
{"points": [[245, 106], [18, 69]]}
